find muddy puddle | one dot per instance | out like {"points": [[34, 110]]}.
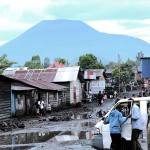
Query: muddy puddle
{"points": [[88, 124], [38, 137], [16, 148], [26, 138]]}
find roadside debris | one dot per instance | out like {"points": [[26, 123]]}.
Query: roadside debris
{"points": [[9, 125]]}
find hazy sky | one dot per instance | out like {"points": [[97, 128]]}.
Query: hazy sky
{"points": [[131, 17]]}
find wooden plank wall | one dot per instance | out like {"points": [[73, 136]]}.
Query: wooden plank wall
{"points": [[5, 98], [67, 84], [75, 88]]}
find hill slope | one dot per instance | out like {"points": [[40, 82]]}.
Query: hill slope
{"points": [[70, 39]]}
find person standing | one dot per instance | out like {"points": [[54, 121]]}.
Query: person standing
{"points": [[100, 97], [137, 126], [37, 104], [115, 94], [41, 106], [90, 95], [115, 120]]}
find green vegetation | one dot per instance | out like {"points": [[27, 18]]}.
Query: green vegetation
{"points": [[34, 63], [5, 63], [62, 61], [46, 62], [89, 61]]}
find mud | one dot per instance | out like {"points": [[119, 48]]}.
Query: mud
{"points": [[71, 129]]}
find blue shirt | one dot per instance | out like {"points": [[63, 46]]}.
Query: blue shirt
{"points": [[115, 119]]}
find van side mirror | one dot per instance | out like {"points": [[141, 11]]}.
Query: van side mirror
{"points": [[103, 118]]}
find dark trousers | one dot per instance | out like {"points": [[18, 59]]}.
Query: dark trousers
{"points": [[116, 141], [135, 135]]}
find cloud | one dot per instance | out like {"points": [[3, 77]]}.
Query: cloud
{"points": [[2, 42], [122, 27], [128, 17], [18, 15], [9, 25]]}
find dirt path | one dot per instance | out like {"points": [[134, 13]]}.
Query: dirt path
{"points": [[42, 133]]}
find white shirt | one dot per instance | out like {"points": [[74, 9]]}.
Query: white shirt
{"points": [[137, 121], [41, 104]]}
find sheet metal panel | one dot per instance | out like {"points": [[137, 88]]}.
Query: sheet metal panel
{"points": [[67, 74], [21, 88]]}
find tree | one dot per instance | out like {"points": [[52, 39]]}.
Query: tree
{"points": [[62, 61], [5, 63], [46, 62], [89, 61], [34, 63], [138, 58], [110, 65], [130, 62], [123, 74]]}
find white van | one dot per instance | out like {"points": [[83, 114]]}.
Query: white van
{"points": [[102, 139]]}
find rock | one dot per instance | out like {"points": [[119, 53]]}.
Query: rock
{"points": [[53, 118], [4, 124], [21, 125], [44, 119]]}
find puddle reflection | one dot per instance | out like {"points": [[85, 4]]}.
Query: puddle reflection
{"points": [[88, 124], [16, 148], [26, 138]]}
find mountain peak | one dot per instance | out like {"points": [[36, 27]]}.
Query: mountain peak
{"points": [[70, 39]]}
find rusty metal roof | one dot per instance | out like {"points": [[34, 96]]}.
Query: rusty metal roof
{"points": [[43, 85], [40, 84], [65, 74], [43, 78], [35, 74]]}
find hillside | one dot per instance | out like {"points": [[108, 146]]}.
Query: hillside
{"points": [[70, 39]]}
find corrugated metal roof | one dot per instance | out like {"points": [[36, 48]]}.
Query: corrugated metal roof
{"points": [[52, 85], [66, 74], [43, 85], [21, 88], [43, 78], [37, 84], [35, 74]]}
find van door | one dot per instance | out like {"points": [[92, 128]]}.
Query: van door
{"points": [[106, 136]]}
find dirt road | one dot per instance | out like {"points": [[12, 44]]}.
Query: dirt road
{"points": [[74, 132]]}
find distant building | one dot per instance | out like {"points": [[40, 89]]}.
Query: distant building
{"points": [[145, 67], [94, 80]]}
